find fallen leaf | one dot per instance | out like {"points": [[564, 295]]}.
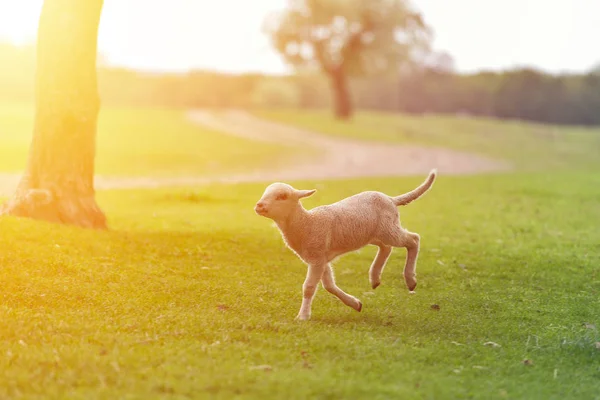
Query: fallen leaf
{"points": [[492, 344], [598, 345], [590, 326], [368, 293], [479, 367], [435, 307], [223, 307], [440, 262], [527, 362], [305, 363], [463, 266], [263, 367], [456, 343], [165, 389]]}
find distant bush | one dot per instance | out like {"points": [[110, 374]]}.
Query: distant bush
{"points": [[524, 94], [276, 93]]}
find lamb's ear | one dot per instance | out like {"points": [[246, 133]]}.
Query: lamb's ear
{"points": [[305, 193]]}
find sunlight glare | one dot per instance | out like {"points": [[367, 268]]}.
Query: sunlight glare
{"points": [[19, 20]]}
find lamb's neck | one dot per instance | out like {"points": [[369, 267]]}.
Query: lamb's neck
{"points": [[292, 226]]}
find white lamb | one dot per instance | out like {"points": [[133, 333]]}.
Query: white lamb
{"points": [[320, 235]]}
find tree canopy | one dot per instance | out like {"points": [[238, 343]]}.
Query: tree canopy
{"points": [[364, 36], [349, 38]]}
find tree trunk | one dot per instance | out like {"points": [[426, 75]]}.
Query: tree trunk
{"points": [[58, 184], [341, 93]]}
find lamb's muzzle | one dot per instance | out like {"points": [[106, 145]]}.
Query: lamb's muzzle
{"points": [[259, 208], [320, 235]]}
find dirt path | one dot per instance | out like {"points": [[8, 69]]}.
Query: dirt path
{"points": [[337, 158], [344, 158]]}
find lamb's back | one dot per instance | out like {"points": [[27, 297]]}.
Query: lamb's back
{"points": [[352, 222]]}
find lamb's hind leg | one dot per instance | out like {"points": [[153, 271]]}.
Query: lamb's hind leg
{"points": [[378, 264], [329, 284], [412, 243], [410, 240]]}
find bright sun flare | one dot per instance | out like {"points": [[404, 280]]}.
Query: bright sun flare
{"points": [[19, 20]]}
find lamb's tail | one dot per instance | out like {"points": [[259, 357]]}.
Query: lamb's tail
{"points": [[414, 194]]}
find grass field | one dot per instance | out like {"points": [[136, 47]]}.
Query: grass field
{"points": [[145, 142], [529, 146], [191, 291], [191, 295]]}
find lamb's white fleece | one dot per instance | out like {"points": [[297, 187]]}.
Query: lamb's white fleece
{"points": [[320, 235]]}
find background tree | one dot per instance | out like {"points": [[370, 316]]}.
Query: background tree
{"points": [[426, 85], [58, 184], [348, 37]]}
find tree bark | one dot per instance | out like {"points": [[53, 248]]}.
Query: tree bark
{"points": [[342, 102], [58, 184]]}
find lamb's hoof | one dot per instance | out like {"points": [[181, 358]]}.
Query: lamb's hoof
{"points": [[300, 317], [359, 308], [375, 285], [412, 287]]}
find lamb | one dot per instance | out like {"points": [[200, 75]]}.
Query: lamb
{"points": [[326, 232]]}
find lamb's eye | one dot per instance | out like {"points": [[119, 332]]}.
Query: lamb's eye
{"points": [[281, 197]]}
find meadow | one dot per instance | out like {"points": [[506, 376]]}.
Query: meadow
{"points": [[145, 142], [191, 295], [529, 146]]}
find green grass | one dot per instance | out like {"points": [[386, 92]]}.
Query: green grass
{"points": [[191, 294], [528, 146], [145, 142], [191, 290]]}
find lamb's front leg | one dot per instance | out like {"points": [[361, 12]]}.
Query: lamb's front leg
{"points": [[331, 287], [313, 276]]}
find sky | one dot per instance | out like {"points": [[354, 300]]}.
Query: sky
{"points": [[179, 35]]}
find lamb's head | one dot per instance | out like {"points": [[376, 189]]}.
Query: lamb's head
{"points": [[279, 200]]}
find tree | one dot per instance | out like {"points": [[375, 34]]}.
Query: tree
{"points": [[440, 62], [58, 184], [348, 37]]}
